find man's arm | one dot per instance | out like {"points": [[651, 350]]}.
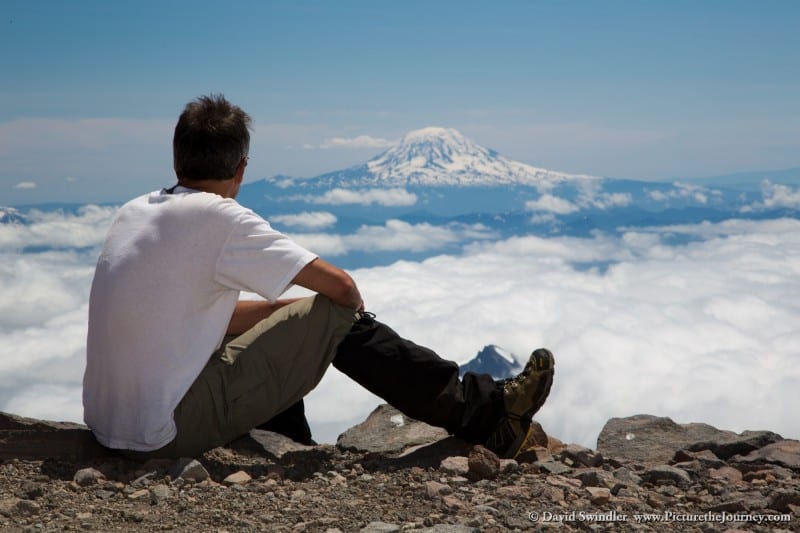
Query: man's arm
{"points": [[318, 276], [333, 282]]}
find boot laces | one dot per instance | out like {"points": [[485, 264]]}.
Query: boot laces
{"points": [[366, 317]]}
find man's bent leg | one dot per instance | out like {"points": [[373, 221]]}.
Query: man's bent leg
{"points": [[420, 383], [258, 375]]}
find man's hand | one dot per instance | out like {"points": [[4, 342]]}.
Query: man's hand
{"points": [[333, 282]]}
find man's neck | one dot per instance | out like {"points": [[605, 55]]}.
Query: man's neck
{"points": [[225, 188]]}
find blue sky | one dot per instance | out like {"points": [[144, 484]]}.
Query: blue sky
{"points": [[643, 90]]}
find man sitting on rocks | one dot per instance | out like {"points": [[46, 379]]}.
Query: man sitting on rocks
{"points": [[177, 365]]}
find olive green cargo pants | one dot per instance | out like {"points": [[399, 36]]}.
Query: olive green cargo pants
{"points": [[257, 375]]}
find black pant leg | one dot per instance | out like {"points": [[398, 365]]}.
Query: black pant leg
{"points": [[292, 423], [418, 382]]}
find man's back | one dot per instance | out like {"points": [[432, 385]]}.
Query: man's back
{"points": [[167, 281]]}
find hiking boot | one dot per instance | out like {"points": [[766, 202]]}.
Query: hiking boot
{"points": [[523, 395]]}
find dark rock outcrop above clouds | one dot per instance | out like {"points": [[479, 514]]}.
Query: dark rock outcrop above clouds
{"points": [[493, 360]]}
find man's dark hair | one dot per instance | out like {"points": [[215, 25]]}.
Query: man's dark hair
{"points": [[210, 140]]}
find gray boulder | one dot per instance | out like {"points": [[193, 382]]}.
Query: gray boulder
{"points": [[274, 445], [655, 440], [386, 430], [785, 453], [727, 446]]}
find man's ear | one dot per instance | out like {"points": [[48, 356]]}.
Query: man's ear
{"points": [[239, 174]]}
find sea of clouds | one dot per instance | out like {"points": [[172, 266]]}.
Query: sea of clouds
{"points": [[705, 330]]}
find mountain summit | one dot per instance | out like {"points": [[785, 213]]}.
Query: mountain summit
{"points": [[493, 360], [436, 156]]}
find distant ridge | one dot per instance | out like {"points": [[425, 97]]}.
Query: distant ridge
{"points": [[751, 180]]}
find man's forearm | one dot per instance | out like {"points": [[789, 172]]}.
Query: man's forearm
{"points": [[333, 282], [248, 313], [351, 298]]}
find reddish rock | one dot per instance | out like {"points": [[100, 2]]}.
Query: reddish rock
{"points": [[434, 489], [483, 463], [599, 495], [561, 481], [514, 491], [725, 473], [537, 435], [554, 445], [458, 465], [452, 502], [534, 454], [237, 478]]}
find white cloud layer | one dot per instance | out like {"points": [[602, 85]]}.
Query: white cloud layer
{"points": [[590, 195], [551, 204], [384, 197], [776, 196], [55, 229], [26, 185], [394, 236], [703, 331], [362, 141], [306, 220], [684, 190]]}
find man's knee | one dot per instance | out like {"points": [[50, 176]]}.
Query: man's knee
{"points": [[335, 313]]}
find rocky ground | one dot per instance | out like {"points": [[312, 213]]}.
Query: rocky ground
{"points": [[395, 474]]}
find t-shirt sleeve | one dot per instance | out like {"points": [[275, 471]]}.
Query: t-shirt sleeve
{"points": [[259, 259]]}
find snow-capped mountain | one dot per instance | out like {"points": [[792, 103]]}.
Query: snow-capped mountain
{"points": [[443, 156], [10, 215], [493, 360], [435, 157]]}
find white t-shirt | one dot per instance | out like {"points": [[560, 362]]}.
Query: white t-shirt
{"points": [[166, 284]]}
